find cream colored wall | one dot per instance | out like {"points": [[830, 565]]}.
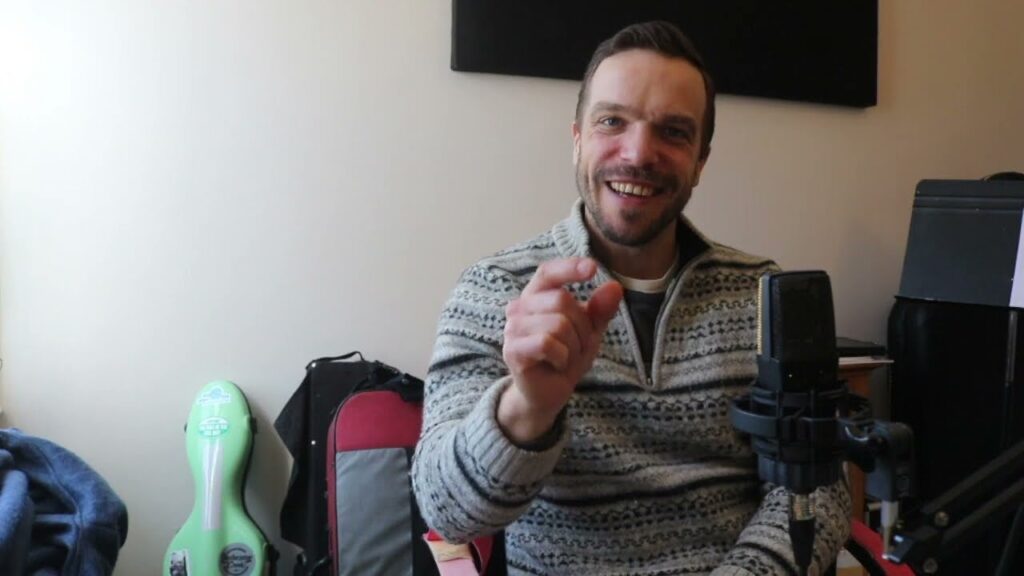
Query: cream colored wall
{"points": [[202, 190]]}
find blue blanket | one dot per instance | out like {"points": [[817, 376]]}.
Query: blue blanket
{"points": [[57, 515]]}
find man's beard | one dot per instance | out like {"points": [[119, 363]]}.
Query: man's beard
{"points": [[589, 188]]}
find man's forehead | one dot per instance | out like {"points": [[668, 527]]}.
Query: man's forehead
{"points": [[643, 78], [638, 60]]}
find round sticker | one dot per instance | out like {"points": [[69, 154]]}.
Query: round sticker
{"points": [[236, 560]]}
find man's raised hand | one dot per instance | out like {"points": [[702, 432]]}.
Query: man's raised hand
{"points": [[551, 340]]}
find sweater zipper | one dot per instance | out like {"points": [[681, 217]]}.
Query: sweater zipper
{"points": [[659, 329], [670, 295], [604, 275]]}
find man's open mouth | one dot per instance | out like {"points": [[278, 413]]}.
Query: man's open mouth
{"points": [[632, 189]]}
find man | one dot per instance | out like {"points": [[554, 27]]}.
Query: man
{"points": [[580, 382]]}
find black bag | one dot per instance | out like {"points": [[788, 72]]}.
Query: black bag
{"points": [[327, 421], [302, 426], [374, 519]]}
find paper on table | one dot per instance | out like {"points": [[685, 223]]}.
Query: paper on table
{"points": [[853, 360], [1017, 284]]}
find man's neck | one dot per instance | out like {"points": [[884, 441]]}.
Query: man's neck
{"points": [[644, 262]]}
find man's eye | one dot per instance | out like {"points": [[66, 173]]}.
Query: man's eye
{"points": [[610, 121], [677, 133]]}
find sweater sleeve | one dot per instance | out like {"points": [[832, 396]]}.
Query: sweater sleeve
{"points": [[764, 547], [468, 477]]}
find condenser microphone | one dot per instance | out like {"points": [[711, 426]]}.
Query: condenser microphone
{"points": [[791, 410]]}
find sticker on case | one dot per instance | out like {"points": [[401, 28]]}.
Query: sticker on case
{"points": [[237, 560], [214, 397]]}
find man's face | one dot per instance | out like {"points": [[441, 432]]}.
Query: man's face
{"points": [[637, 145]]}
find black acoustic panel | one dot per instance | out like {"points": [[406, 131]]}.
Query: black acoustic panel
{"points": [[806, 50]]}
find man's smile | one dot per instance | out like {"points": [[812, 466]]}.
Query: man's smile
{"points": [[632, 189]]}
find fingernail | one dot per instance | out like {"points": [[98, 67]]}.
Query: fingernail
{"points": [[583, 266]]}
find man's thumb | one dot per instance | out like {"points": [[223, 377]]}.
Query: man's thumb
{"points": [[603, 304]]}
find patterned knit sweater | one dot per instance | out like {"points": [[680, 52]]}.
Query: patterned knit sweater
{"points": [[647, 476]]}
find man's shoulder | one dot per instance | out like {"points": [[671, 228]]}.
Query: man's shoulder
{"points": [[516, 264], [727, 258], [537, 249]]}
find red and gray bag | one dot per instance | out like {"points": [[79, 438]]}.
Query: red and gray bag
{"points": [[374, 522]]}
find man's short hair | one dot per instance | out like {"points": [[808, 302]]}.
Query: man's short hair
{"points": [[663, 38]]}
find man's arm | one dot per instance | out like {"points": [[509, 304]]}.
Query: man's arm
{"points": [[764, 547], [506, 361]]}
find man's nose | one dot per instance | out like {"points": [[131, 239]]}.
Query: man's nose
{"points": [[639, 146]]}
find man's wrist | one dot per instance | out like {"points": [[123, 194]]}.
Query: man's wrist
{"points": [[523, 425]]}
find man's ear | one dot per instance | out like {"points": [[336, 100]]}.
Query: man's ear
{"points": [[575, 143]]}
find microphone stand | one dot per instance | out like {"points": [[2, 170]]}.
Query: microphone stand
{"points": [[786, 454], [973, 505]]}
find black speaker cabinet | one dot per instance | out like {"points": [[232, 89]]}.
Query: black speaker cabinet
{"points": [[958, 381]]}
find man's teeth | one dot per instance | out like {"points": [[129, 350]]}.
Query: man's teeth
{"points": [[631, 189]]}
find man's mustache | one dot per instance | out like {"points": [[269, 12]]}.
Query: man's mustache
{"points": [[646, 175]]}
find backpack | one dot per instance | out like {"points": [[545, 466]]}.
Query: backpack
{"points": [[355, 424]]}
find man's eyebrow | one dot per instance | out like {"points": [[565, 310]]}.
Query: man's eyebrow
{"points": [[679, 119], [609, 107]]}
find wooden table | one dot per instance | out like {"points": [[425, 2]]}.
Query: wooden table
{"points": [[857, 373]]}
